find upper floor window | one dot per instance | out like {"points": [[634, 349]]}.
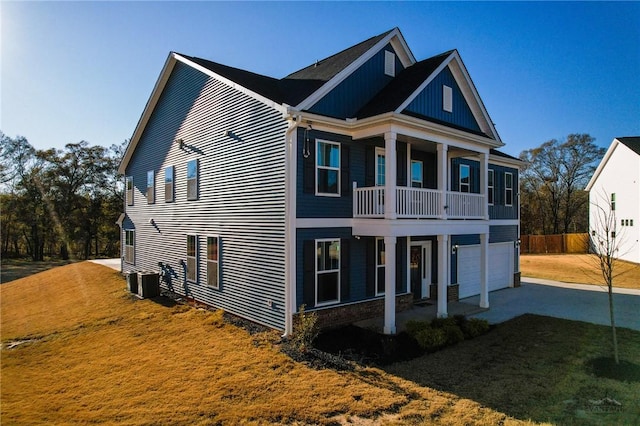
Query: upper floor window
{"points": [[447, 98], [213, 272], [192, 257], [465, 178], [490, 186], [129, 188], [328, 168], [508, 189], [327, 271], [613, 202], [380, 167], [389, 63], [380, 262], [129, 245], [192, 180], [417, 174], [168, 184], [151, 187]]}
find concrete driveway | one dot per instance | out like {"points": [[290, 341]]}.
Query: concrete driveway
{"points": [[579, 302]]}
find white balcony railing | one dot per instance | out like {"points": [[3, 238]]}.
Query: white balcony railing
{"points": [[418, 203]]}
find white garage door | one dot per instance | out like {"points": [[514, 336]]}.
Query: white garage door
{"points": [[500, 268]]}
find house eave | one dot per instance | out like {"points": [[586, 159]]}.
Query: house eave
{"points": [[602, 164]]}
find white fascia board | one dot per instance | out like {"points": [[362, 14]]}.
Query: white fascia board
{"points": [[503, 161], [602, 164], [401, 47], [353, 66], [148, 109], [278, 107], [415, 227]]}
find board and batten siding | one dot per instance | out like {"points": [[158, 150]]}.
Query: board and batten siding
{"points": [[239, 144]]}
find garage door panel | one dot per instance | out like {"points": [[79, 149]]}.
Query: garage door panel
{"points": [[500, 259]]}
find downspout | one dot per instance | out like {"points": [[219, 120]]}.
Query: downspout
{"points": [[290, 222]]}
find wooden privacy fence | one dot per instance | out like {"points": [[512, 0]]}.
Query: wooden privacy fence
{"points": [[562, 243]]}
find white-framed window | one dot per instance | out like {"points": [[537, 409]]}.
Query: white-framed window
{"points": [[380, 268], [417, 173], [490, 186], [151, 187], [465, 178], [213, 260], [129, 189], [129, 246], [447, 98], [380, 167], [327, 271], [192, 257], [192, 180], [508, 189], [327, 168], [168, 184], [389, 63]]}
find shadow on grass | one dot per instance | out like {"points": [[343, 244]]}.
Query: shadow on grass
{"points": [[528, 368], [13, 269]]}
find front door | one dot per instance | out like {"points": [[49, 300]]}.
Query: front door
{"points": [[420, 269]]}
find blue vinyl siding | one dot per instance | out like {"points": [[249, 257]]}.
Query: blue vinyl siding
{"points": [[241, 185], [503, 233], [346, 99], [498, 210], [429, 103]]}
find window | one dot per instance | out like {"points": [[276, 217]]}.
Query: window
{"points": [[168, 184], [490, 186], [328, 168], [129, 185], [192, 257], [151, 187], [465, 178], [621, 222], [630, 222], [508, 189], [447, 98], [327, 271], [416, 174], [389, 63], [380, 262], [192, 180], [129, 245], [212, 262], [613, 202], [380, 167]]}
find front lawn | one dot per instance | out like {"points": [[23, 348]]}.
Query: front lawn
{"points": [[76, 348], [577, 268]]}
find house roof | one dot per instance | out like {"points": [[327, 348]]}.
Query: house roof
{"points": [[632, 142]]}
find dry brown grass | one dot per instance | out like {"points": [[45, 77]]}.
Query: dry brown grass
{"points": [[577, 268], [99, 356]]}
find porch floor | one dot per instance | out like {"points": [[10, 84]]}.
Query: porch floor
{"points": [[421, 312]]}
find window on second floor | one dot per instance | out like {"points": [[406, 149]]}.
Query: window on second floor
{"points": [[417, 173], [613, 202], [465, 178], [151, 187], [508, 189], [129, 189], [192, 180], [490, 186], [328, 168], [168, 184]]}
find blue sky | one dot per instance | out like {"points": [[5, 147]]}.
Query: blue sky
{"points": [[74, 71]]}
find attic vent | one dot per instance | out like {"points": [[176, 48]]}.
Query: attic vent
{"points": [[447, 98], [389, 63]]}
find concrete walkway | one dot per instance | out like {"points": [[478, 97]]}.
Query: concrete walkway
{"points": [[111, 263], [580, 302]]}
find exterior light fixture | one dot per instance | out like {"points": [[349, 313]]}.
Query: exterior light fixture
{"points": [[454, 249]]}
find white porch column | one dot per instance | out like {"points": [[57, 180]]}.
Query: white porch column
{"points": [[442, 167], [484, 270], [443, 267], [484, 181], [390, 166], [389, 285]]}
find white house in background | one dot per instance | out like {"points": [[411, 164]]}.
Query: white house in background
{"points": [[617, 181]]}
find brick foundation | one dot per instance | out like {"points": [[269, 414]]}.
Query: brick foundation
{"points": [[347, 314], [453, 292]]}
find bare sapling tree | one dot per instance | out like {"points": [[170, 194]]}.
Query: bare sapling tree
{"points": [[605, 244]]}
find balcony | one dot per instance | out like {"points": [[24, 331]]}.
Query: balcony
{"points": [[418, 203]]}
